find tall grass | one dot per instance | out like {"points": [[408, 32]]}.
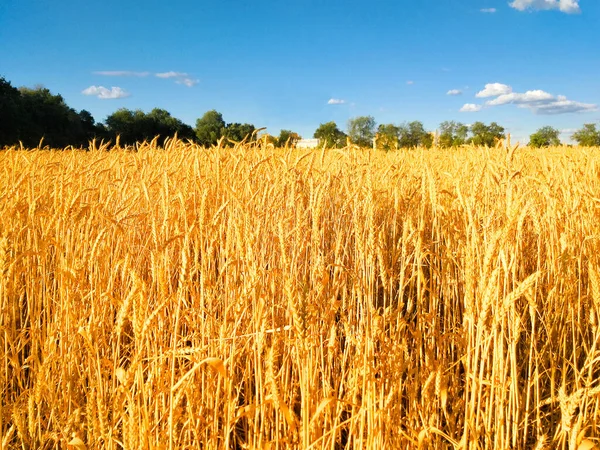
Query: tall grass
{"points": [[271, 298]]}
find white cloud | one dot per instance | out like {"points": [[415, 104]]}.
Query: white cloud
{"points": [[336, 101], [189, 82], [536, 96], [104, 93], [493, 90], [488, 10], [537, 101], [454, 92], [470, 107], [566, 6], [121, 73], [564, 106], [171, 74], [180, 78], [409, 82]]}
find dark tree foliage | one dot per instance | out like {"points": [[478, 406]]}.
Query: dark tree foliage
{"points": [[12, 120], [210, 128], [288, 137], [588, 136], [486, 135], [330, 135], [237, 132], [387, 136], [406, 135], [31, 116], [544, 137], [137, 126], [163, 124], [413, 134], [34, 116], [362, 130], [453, 134]]}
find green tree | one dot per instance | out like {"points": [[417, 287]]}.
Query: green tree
{"points": [[287, 137], [30, 114], [362, 130], [387, 136], [47, 116], [413, 134], [486, 135], [588, 136], [210, 128], [544, 137], [12, 115], [237, 132], [161, 123], [88, 123], [330, 135], [453, 134], [129, 125], [137, 126]]}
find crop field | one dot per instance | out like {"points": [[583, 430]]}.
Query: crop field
{"points": [[260, 298]]}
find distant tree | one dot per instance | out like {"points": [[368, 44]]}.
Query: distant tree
{"points": [[486, 135], [426, 140], [162, 123], [413, 134], [210, 128], [237, 132], [266, 139], [101, 131], [544, 137], [137, 126], [47, 116], [32, 114], [588, 136], [387, 136], [89, 128], [362, 130], [127, 124], [88, 123], [330, 135], [453, 134], [12, 115], [288, 137]]}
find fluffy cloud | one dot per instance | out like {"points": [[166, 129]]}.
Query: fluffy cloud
{"points": [[488, 10], [171, 74], [180, 78], [121, 73], [566, 6], [104, 93], [529, 97], [336, 101], [189, 82], [470, 107], [494, 89], [563, 106], [537, 101], [409, 82], [454, 92]]}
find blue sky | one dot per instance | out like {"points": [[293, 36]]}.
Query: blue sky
{"points": [[294, 65]]}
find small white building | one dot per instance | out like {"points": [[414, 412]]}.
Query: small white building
{"points": [[307, 143]]}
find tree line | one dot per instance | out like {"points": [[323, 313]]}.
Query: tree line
{"points": [[31, 116]]}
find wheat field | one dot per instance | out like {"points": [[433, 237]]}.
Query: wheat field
{"points": [[257, 298]]}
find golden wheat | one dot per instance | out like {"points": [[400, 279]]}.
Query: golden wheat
{"points": [[183, 297]]}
